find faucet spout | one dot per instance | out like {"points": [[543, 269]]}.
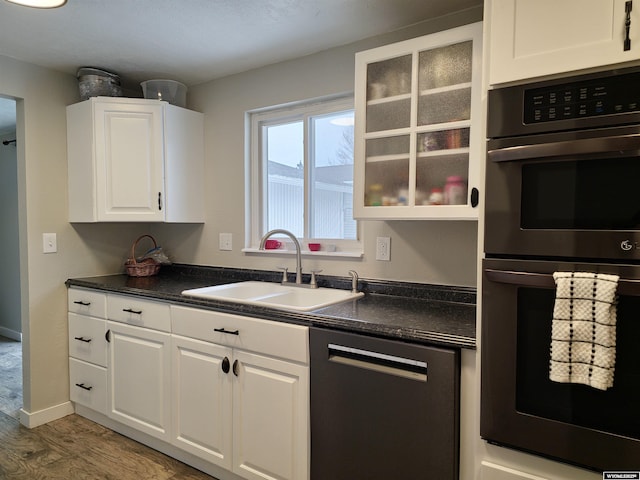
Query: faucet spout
{"points": [[281, 231], [354, 281]]}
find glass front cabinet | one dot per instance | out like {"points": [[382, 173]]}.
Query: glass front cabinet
{"points": [[418, 136]]}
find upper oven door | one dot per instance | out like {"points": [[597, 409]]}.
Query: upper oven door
{"points": [[568, 194]]}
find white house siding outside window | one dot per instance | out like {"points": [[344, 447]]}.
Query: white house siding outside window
{"points": [[301, 172]]}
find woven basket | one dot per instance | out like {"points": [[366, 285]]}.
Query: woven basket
{"points": [[146, 267]]}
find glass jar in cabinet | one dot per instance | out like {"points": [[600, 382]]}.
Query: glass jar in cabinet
{"points": [[418, 123]]}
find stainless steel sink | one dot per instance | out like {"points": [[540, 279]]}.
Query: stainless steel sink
{"points": [[275, 295]]}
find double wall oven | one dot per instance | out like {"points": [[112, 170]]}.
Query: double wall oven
{"points": [[562, 195]]}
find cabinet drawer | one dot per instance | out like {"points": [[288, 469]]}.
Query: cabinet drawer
{"points": [[88, 385], [87, 339], [262, 336], [139, 312], [87, 302]]}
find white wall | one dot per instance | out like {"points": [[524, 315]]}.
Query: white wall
{"points": [[421, 251]]}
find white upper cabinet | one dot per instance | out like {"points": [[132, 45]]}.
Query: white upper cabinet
{"points": [[134, 160], [545, 37], [418, 132]]}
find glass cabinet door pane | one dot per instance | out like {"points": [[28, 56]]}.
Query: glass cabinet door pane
{"points": [[388, 94], [387, 171], [448, 139], [397, 146], [445, 66], [443, 107], [445, 84], [442, 179], [442, 167]]}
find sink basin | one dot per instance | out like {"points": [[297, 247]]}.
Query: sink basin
{"points": [[275, 295]]}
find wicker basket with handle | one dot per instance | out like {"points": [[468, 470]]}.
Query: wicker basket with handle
{"points": [[144, 268]]}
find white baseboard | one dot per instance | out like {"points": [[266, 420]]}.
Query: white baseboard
{"points": [[35, 419], [12, 334]]}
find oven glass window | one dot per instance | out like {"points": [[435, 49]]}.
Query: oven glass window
{"points": [[588, 195], [614, 410]]}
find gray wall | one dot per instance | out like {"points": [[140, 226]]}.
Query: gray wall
{"points": [[442, 252], [10, 318]]}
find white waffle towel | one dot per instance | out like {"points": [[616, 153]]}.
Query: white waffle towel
{"points": [[583, 334]]}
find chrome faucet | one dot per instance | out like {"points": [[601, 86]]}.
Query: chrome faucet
{"points": [[295, 242], [354, 281]]}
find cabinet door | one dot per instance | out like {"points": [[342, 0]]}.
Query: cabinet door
{"points": [[418, 131], [202, 413], [129, 161], [139, 378], [532, 39], [270, 418]]}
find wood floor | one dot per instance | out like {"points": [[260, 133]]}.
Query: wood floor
{"points": [[73, 448]]}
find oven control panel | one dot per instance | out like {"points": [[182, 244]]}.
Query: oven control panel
{"points": [[609, 95]]}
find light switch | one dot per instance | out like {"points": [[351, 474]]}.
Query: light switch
{"points": [[49, 243]]}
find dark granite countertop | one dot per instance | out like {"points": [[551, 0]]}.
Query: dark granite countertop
{"points": [[420, 313]]}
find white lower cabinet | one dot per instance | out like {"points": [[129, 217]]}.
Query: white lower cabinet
{"points": [[87, 349], [202, 414], [247, 411], [139, 387], [270, 418], [230, 390]]}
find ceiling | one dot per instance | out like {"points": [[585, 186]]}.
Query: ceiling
{"points": [[194, 41]]}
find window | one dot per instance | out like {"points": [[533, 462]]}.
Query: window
{"points": [[302, 172]]}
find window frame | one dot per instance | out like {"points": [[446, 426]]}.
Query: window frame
{"points": [[256, 178]]}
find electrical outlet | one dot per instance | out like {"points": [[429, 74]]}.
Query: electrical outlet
{"points": [[383, 248], [226, 241], [49, 243]]}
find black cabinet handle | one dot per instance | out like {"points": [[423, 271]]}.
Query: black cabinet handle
{"points": [[628, 6], [229, 332], [159, 200], [80, 302], [83, 386], [82, 339], [128, 310], [107, 336], [225, 365], [236, 367], [475, 197]]}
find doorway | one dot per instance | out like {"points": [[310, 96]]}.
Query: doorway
{"points": [[11, 384]]}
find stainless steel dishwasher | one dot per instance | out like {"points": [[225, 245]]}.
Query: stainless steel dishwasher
{"points": [[382, 409]]}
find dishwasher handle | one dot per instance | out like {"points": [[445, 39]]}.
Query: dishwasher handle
{"points": [[378, 362]]}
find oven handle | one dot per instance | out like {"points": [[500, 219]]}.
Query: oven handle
{"points": [[617, 144], [545, 280]]}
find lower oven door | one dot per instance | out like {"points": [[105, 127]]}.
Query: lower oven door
{"points": [[522, 408]]}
